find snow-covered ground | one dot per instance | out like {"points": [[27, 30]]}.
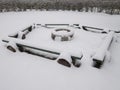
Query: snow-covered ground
{"points": [[27, 72]]}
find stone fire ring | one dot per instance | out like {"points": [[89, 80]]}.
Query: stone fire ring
{"points": [[62, 34]]}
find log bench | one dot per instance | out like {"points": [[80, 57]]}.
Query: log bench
{"points": [[101, 53], [44, 52]]}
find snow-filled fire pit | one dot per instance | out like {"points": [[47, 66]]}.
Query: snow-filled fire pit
{"points": [[62, 34]]}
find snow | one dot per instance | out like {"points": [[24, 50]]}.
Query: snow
{"points": [[104, 47], [23, 71], [78, 43]]}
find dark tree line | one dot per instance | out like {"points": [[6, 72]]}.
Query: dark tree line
{"points": [[106, 6]]}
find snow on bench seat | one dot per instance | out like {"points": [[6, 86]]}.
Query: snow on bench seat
{"points": [[23, 31], [92, 29], [100, 55]]}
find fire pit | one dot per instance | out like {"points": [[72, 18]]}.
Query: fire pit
{"points": [[62, 34]]}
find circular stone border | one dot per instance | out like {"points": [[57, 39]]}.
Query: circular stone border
{"points": [[63, 34]]}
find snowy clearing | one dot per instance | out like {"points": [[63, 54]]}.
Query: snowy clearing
{"points": [[29, 72]]}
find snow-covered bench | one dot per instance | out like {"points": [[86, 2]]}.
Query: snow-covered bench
{"points": [[96, 30], [59, 25], [42, 51], [102, 51], [22, 34]]}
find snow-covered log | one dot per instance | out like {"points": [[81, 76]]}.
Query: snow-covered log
{"points": [[76, 62], [97, 30], [11, 46], [92, 29], [75, 26], [21, 35], [29, 28], [65, 59], [56, 25], [14, 35], [41, 53], [106, 30], [101, 53]]}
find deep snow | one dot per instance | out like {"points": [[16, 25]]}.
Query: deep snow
{"points": [[28, 72]]}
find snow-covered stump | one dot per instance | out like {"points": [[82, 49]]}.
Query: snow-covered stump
{"points": [[75, 26], [21, 35], [11, 46], [106, 30], [65, 59], [76, 62], [101, 53], [21, 48]]}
